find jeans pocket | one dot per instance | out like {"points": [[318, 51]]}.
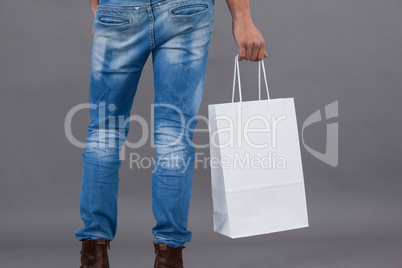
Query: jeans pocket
{"points": [[113, 20], [188, 10]]}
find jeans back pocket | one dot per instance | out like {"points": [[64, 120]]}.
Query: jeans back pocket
{"points": [[113, 20], [188, 10]]}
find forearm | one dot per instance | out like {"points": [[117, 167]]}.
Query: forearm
{"points": [[248, 38], [239, 9], [94, 4]]}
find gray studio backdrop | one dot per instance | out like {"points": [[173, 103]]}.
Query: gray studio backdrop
{"points": [[319, 52]]}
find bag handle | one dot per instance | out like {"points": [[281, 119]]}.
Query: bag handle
{"points": [[237, 71]]}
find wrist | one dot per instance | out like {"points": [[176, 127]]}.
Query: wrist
{"points": [[243, 16]]}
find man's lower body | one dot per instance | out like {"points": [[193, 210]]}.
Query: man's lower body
{"points": [[126, 32]]}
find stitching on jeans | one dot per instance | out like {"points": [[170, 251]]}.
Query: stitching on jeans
{"points": [[116, 16], [137, 8], [191, 15], [123, 8], [151, 26]]}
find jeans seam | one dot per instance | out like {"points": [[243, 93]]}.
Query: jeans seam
{"points": [[136, 8], [151, 28]]}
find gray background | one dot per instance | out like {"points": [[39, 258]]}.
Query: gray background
{"points": [[319, 52]]}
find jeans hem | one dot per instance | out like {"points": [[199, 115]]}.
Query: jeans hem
{"points": [[92, 236], [170, 243]]}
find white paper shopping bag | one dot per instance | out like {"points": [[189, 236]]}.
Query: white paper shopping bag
{"points": [[256, 168]]}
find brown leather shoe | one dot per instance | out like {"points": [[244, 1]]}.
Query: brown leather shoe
{"points": [[94, 253], [168, 257]]}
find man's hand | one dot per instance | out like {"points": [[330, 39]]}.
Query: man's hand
{"points": [[248, 38], [94, 5]]}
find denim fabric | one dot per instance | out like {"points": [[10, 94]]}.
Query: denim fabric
{"points": [[178, 33]]}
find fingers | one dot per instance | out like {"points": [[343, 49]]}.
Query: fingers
{"points": [[242, 52], [261, 54], [254, 51], [249, 51]]}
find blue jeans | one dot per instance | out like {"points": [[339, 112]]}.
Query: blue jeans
{"points": [[178, 33]]}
